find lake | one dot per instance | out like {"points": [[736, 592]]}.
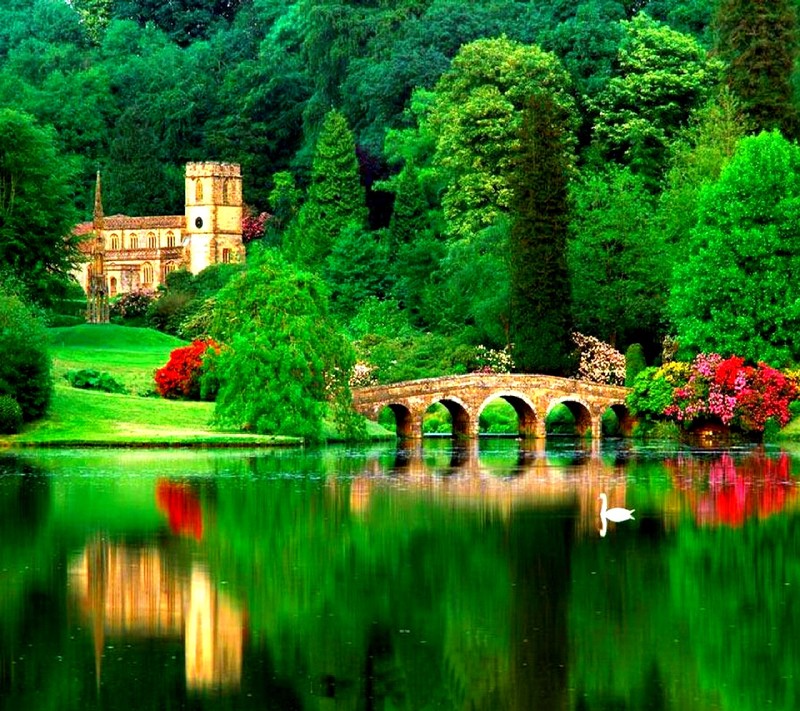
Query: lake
{"points": [[433, 577]]}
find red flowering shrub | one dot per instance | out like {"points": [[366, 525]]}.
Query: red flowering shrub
{"points": [[733, 393], [253, 225], [180, 377]]}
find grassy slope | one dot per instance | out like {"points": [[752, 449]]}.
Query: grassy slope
{"points": [[130, 355]]}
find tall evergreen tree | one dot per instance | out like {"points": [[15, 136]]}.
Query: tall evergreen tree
{"points": [[540, 292], [758, 42], [336, 197]]}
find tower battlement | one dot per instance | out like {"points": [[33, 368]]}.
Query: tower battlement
{"points": [[211, 169]]}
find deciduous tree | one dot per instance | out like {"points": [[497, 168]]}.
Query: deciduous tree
{"points": [[736, 291]]}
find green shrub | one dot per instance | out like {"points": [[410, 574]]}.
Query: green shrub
{"points": [[498, 417], [560, 420], [437, 420], [25, 362], [62, 320], [91, 379], [10, 415], [634, 363], [794, 408], [609, 423]]}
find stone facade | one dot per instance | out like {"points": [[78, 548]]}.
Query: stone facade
{"points": [[465, 396], [138, 252]]}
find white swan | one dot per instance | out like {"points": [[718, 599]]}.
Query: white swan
{"points": [[616, 514]]}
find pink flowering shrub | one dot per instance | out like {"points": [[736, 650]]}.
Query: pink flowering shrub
{"points": [[735, 394]]}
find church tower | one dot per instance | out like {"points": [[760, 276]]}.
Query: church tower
{"points": [[97, 309], [213, 231]]}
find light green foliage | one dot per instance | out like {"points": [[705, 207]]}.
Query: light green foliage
{"points": [[653, 388], [284, 200], [335, 197], [476, 118], [699, 153], [736, 291], [661, 76], [283, 363], [470, 293], [619, 269], [25, 363]]}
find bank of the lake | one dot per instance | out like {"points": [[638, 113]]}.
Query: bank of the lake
{"points": [[138, 418]]}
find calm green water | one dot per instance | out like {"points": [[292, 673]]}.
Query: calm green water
{"points": [[399, 579]]}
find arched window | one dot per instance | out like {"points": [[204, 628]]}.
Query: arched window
{"points": [[226, 256], [226, 191], [114, 242], [113, 286], [169, 267], [134, 241], [170, 239], [152, 243], [147, 274], [198, 191]]}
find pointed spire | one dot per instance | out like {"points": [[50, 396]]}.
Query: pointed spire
{"points": [[98, 205]]}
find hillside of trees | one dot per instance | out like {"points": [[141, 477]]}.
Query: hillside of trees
{"points": [[493, 173]]}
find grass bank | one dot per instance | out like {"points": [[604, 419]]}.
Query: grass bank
{"points": [[91, 418]]}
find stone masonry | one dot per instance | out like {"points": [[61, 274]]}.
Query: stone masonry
{"points": [[465, 396]]}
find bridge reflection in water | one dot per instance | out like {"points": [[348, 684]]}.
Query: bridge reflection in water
{"points": [[461, 475], [465, 397]]}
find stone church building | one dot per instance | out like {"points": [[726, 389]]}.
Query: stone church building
{"points": [[131, 253]]}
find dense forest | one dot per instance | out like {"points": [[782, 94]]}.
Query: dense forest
{"points": [[494, 173]]}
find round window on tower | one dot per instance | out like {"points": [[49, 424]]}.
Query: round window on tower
{"points": [[198, 222]]}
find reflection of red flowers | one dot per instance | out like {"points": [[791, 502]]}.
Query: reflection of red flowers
{"points": [[737, 490], [182, 508]]}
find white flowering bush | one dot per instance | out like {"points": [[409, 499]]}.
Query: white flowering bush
{"points": [[599, 362], [490, 360], [362, 375]]}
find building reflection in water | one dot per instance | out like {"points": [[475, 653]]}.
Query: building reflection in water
{"points": [[127, 591]]}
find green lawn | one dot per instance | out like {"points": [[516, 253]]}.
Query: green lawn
{"points": [[131, 355]]}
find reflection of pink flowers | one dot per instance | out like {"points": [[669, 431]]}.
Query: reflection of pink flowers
{"points": [[737, 490], [182, 508]]}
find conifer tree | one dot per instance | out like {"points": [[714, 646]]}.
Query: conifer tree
{"points": [[336, 197], [758, 42], [540, 292]]}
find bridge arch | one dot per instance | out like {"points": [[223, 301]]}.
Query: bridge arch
{"points": [[459, 415], [523, 406], [403, 419], [624, 418], [580, 411]]}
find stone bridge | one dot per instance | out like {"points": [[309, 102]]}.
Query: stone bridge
{"points": [[465, 396]]}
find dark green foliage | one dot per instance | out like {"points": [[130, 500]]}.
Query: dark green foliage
{"points": [[356, 269], [10, 415], [634, 363], [560, 420], [758, 43], [92, 379], [540, 301], [36, 216], [25, 363]]}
